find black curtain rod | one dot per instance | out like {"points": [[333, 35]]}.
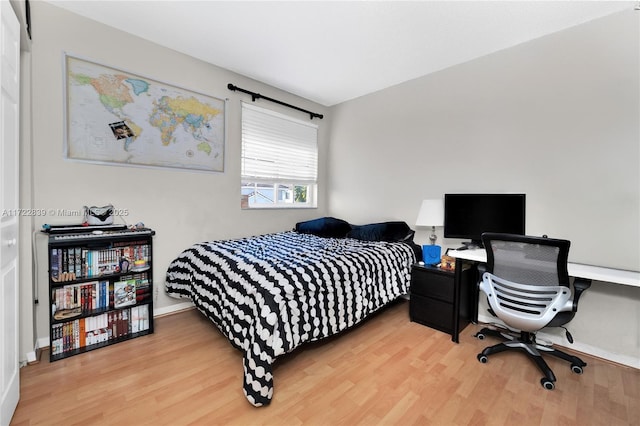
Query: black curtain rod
{"points": [[255, 96]]}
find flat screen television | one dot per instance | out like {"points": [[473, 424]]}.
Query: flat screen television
{"points": [[467, 216]]}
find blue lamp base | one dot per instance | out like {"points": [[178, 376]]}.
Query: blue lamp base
{"points": [[431, 254]]}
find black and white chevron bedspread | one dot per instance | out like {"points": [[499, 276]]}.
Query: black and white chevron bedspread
{"points": [[271, 293]]}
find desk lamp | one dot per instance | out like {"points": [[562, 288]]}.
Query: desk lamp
{"points": [[431, 214]]}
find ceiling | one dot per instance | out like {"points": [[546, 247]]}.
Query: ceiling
{"points": [[333, 51]]}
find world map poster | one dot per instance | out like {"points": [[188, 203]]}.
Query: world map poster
{"points": [[114, 116]]}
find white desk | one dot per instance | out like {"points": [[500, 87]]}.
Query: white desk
{"points": [[626, 354], [578, 270]]}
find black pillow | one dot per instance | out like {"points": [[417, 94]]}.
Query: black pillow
{"points": [[385, 231], [328, 227]]}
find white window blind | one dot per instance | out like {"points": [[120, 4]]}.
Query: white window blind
{"points": [[277, 148]]}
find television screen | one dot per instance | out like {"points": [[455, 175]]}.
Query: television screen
{"points": [[467, 216]]}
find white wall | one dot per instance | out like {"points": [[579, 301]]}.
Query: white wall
{"points": [[182, 207], [557, 118]]}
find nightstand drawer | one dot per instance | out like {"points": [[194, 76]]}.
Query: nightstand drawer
{"points": [[432, 283], [431, 312]]}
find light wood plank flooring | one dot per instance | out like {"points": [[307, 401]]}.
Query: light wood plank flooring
{"points": [[387, 371]]}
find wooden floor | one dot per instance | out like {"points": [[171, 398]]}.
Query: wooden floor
{"points": [[386, 371]]}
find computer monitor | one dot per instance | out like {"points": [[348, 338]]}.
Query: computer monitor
{"points": [[467, 216]]}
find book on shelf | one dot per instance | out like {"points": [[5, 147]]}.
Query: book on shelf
{"points": [[143, 289], [139, 318], [135, 319], [124, 293], [53, 265], [124, 322], [144, 317]]}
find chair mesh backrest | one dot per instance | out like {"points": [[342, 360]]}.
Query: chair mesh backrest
{"points": [[528, 260]]}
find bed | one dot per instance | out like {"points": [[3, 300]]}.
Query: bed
{"points": [[269, 294]]}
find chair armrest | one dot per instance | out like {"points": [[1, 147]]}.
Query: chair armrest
{"points": [[481, 270], [579, 285]]}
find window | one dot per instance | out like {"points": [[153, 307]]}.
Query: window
{"points": [[279, 159]]}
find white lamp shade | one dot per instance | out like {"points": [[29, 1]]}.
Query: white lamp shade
{"points": [[431, 213]]}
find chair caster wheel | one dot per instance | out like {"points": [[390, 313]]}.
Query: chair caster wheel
{"points": [[483, 358], [547, 384], [576, 369], [479, 336]]}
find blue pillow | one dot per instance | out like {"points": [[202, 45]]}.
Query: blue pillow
{"points": [[385, 231], [328, 227]]}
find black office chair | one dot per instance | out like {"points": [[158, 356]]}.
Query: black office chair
{"points": [[528, 288]]}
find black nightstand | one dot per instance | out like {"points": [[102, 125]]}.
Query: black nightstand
{"points": [[439, 300]]}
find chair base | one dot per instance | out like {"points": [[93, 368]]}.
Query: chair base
{"points": [[526, 342]]}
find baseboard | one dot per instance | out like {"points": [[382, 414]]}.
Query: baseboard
{"points": [[621, 359], [172, 309], [43, 342], [34, 357]]}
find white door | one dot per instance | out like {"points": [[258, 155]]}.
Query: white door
{"points": [[9, 125]]}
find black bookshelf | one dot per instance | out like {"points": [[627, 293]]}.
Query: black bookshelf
{"points": [[100, 289]]}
